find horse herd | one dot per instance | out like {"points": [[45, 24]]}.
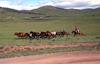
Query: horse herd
{"points": [[49, 34]]}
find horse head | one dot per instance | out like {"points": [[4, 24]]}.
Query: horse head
{"points": [[15, 33], [73, 31]]}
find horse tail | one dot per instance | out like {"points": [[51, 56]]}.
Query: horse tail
{"points": [[82, 34], [69, 33]]}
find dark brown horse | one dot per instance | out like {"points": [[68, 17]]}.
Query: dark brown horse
{"points": [[79, 32], [47, 34], [60, 33], [34, 34], [29, 35]]}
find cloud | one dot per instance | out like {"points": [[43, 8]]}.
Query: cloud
{"points": [[77, 4], [66, 4], [21, 5], [14, 5]]}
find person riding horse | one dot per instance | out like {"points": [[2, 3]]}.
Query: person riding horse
{"points": [[76, 30], [64, 31]]}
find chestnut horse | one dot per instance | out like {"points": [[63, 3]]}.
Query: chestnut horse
{"points": [[20, 34], [79, 32], [62, 33], [67, 33]]}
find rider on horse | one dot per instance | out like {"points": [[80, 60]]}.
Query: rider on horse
{"points": [[64, 31], [76, 29]]}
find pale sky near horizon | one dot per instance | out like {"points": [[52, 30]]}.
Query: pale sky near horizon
{"points": [[33, 4]]}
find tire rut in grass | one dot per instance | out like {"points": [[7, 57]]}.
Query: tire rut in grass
{"points": [[8, 49]]}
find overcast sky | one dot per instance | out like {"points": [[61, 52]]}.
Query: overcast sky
{"points": [[33, 4]]}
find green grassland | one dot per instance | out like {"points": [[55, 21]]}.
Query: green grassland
{"points": [[90, 26], [11, 22]]}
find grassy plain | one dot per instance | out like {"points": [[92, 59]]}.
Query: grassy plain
{"points": [[90, 26], [84, 19]]}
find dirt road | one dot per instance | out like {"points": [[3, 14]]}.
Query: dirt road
{"points": [[8, 49], [76, 57]]}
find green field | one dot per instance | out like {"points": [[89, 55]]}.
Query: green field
{"points": [[90, 26], [87, 21]]}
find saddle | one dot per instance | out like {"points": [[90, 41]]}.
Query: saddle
{"points": [[77, 31]]}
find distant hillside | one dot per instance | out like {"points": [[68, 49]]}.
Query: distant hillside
{"points": [[5, 10], [48, 11], [54, 9], [51, 10], [7, 13]]}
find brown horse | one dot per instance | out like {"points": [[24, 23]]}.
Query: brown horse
{"points": [[60, 33], [67, 33], [34, 34], [46, 34], [79, 32], [20, 34]]}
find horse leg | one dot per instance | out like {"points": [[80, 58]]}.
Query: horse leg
{"points": [[62, 35], [66, 34], [38, 36], [74, 34], [42, 36], [49, 36], [82, 34], [23, 36], [55, 35], [79, 34], [19, 37], [30, 36], [35, 37]]}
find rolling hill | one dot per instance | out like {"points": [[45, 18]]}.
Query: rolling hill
{"points": [[51, 10], [47, 11]]}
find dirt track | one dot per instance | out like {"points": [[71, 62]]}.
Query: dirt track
{"points": [[8, 49], [76, 57]]}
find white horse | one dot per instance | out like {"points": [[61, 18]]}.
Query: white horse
{"points": [[53, 33]]}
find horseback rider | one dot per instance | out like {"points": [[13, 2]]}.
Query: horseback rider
{"points": [[76, 29], [64, 31]]}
